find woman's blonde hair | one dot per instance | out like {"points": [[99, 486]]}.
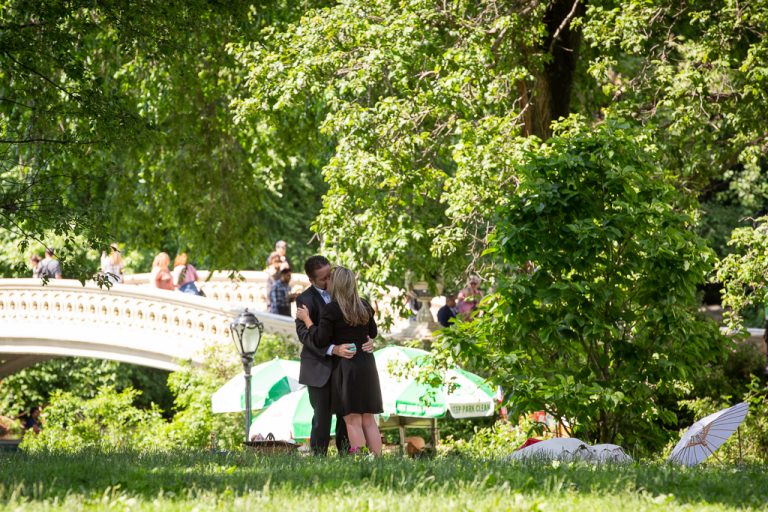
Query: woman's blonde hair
{"points": [[343, 290], [161, 260], [114, 255]]}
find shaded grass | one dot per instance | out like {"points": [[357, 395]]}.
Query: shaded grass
{"points": [[242, 481]]}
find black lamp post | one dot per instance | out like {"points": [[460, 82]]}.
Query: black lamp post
{"points": [[246, 331]]}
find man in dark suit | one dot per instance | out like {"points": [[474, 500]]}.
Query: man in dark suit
{"points": [[316, 364]]}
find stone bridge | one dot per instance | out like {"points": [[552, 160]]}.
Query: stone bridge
{"points": [[133, 322]]}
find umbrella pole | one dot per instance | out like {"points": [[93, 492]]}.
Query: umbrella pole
{"points": [[401, 430], [435, 433], [705, 445]]}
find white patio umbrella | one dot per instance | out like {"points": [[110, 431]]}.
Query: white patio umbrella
{"points": [[269, 382], [288, 419], [707, 435], [463, 394]]}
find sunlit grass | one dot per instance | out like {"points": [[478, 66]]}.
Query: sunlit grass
{"points": [[245, 481]]}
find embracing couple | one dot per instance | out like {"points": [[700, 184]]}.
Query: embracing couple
{"points": [[337, 363]]}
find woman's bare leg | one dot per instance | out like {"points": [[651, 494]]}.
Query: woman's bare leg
{"points": [[355, 430], [372, 434]]}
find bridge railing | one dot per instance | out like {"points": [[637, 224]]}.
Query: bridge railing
{"points": [[142, 325], [246, 287]]}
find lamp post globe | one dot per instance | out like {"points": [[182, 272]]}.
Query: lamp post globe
{"points": [[246, 332]]}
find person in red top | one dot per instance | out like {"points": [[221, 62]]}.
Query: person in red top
{"points": [[161, 276]]}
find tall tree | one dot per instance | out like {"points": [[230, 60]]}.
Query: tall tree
{"points": [[116, 125], [403, 91]]}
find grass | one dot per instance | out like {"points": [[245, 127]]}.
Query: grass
{"points": [[245, 481]]}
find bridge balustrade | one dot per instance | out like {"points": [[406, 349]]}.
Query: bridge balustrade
{"points": [[139, 325]]}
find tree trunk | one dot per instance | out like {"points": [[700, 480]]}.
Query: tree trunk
{"points": [[550, 97]]}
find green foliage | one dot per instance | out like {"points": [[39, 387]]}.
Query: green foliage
{"points": [[496, 441], [716, 222], [695, 75], [605, 332], [733, 374], [273, 346], [101, 388], [108, 421], [193, 421], [399, 90], [34, 386], [115, 125], [743, 271], [83, 377]]}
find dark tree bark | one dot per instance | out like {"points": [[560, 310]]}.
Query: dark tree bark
{"points": [[550, 97]]}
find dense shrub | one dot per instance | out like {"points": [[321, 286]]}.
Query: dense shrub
{"points": [[605, 332], [108, 421]]}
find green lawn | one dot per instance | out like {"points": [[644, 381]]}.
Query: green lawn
{"points": [[244, 481]]}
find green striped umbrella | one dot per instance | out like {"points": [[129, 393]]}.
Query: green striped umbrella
{"points": [[467, 396], [287, 419], [269, 382], [463, 394]]}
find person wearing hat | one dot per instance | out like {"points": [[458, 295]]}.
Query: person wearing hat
{"points": [[112, 264]]}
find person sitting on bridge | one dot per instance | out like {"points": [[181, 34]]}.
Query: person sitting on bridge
{"points": [[112, 264], [161, 277], [184, 275], [280, 297]]}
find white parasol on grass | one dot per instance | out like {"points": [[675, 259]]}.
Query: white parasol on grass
{"points": [[570, 449], [707, 435]]}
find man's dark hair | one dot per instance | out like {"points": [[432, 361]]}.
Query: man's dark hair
{"points": [[314, 264], [49, 251]]}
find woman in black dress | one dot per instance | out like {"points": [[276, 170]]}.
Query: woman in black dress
{"points": [[356, 393]]}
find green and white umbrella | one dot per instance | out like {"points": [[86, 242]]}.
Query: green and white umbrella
{"points": [[463, 394], [289, 418], [269, 382]]}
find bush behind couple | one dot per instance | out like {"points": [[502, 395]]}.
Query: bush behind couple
{"points": [[335, 328]]}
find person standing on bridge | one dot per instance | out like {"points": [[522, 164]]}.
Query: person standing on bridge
{"points": [[280, 297], [112, 264], [34, 264], [317, 364], [50, 268]]}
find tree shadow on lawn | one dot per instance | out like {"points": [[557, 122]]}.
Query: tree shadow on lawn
{"points": [[188, 473]]}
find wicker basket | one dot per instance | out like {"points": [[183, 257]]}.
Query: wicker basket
{"points": [[270, 445]]}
